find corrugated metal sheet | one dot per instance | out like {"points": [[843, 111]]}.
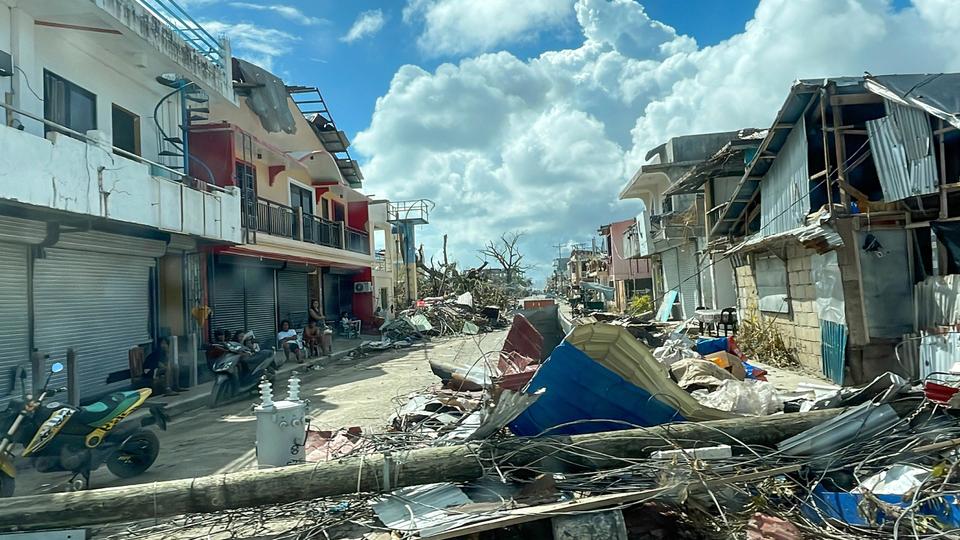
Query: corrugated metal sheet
{"points": [[119, 244], [901, 147], [939, 352], [18, 230], [908, 355], [785, 195], [937, 301], [423, 509], [680, 274], [261, 304], [14, 326], [817, 236], [97, 303], [523, 338], [228, 298], [833, 349], [293, 296], [858, 423]]}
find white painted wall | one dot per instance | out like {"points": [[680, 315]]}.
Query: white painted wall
{"points": [[66, 174], [5, 47]]}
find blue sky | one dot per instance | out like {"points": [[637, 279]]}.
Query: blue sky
{"points": [[353, 75], [531, 115]]}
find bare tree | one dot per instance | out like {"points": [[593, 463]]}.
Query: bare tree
{"points": [[506, 252]]}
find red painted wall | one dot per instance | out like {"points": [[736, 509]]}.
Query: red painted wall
{"points": [[215, 149], [363, 302], [357, 215]]}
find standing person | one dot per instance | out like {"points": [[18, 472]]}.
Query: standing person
{"points": [[315, 312], [288, 339]]}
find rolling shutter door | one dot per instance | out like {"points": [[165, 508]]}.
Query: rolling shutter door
{"points": [[14, 324], [292, 297], [97, 303], [228, 312], [261, 304]]}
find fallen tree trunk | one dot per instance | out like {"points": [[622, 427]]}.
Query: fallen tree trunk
{"points": [[458, 463]]}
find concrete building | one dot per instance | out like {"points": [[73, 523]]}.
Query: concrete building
{"points": [[102, 218], [679, 187], [307, 229], [629, 276]]}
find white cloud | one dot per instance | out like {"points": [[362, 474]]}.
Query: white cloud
{"points": [[545, 144], [468, 26], [253, 43], [287, 12], [367, 24]]}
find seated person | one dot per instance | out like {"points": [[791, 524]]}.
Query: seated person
{"points": [[289, 341], [155, 367], [311, 338]]}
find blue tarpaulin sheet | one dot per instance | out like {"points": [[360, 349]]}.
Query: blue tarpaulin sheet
{"points": [[578, 388], [845, 506], [711, 345]]}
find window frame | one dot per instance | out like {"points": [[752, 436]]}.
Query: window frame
{"points": [[773, 295], [69, 88], [114, 109]]}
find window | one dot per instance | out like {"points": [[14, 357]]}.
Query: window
{"points": [[126, 130], [68, 104], [771, 274], [324, 209], [301, 198], [338, 214]]}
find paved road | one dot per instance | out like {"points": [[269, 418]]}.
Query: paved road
{"points": [[346, 393]]}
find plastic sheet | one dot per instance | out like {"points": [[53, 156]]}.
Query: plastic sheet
{"points": [[825, 272], [744, 397]]}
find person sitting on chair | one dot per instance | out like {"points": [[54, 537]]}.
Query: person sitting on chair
{"points": [[155, 367], [311, 338], [288, 339]]}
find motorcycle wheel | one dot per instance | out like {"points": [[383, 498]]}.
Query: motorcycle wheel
{"points": [[135, 456], [7, 485], [222, 391]]}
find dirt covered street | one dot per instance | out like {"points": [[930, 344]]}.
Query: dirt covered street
{"points": [[345, 393]]}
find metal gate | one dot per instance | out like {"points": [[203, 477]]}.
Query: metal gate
{"points": [[97, 303], [228, 312], [14, 323], [293, 297]]}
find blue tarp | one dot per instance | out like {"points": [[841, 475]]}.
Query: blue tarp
{"points": [[579, 388], [845, 507]]}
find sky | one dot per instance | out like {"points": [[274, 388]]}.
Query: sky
{"points": [[531, 115]]}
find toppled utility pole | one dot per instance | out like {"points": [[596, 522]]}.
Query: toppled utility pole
{"points": [[422, 466]]}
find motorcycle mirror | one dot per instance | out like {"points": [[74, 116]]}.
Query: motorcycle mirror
{"points": [[57, 367]]}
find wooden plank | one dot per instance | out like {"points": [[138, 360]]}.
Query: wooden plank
{"points": [[840, 148]]}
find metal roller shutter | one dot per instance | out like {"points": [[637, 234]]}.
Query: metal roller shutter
{"points": [[228, 314], [97, 303], [14, 326], [261, 305], [687, 265], [293, 295]]}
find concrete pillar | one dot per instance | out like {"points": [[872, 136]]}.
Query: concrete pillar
{"points": [[73, 378], [173, 365], [194, 358], [298, 215], [27, 77]]}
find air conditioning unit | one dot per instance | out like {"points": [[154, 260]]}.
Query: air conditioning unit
{"points": [[362, 287]]}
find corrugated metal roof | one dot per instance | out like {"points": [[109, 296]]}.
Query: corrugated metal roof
{"points": [[858, 423], [817, 236], [523, 338], [935, 93]]}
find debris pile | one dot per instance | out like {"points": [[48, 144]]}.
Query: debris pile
{"points": [[441, 316]]}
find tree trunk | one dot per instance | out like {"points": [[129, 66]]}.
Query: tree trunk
{"points": [[427, 465]]}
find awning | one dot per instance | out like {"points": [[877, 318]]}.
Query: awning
{"points": [[247, 252], [938, 94]]}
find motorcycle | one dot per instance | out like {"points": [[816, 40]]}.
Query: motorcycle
{"points": [[238, 368], [57, 437]]}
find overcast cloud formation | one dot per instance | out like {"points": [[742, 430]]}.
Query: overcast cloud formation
{"points": [[545, 144]]}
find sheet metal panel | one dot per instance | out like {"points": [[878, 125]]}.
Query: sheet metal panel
{"points": [[97, 303], [785, 195], [293, 297], [833, 349], [901, 147], [523, 338], [939, 352], [14, 326], [937, 301], [886, 281]]}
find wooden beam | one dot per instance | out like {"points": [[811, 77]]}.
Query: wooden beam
{"points": [[855, 99], [840, 149], [853, 191], [944, 208], [826, 152]]}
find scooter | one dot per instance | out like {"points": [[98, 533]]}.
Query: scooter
{"points": [[57, 437], [238, 368]]}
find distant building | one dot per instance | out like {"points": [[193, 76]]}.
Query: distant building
{"points": [[629, 277]]}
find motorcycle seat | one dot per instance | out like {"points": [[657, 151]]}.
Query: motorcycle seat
{"points": [[99, 413]]}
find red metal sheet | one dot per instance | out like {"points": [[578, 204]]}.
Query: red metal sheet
{"points": [[523, 338]]}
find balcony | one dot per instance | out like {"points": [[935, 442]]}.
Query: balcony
{"points": [[83, 175], [287, 222], [413, 212]]}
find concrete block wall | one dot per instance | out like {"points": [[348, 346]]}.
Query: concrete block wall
{"points": [[800, 327]]}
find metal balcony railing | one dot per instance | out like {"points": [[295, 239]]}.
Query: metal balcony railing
{"points": [[281, 220], [358, 241], [189, 30], [416, 212]]}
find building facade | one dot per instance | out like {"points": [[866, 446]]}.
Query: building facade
{"points": [[102, 220], [629, 277]]}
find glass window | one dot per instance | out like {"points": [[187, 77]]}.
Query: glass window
{"points": [[126, 130], [68, 104], [301, 198]]}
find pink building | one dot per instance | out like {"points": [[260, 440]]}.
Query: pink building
{"points": [[629, 277]]}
